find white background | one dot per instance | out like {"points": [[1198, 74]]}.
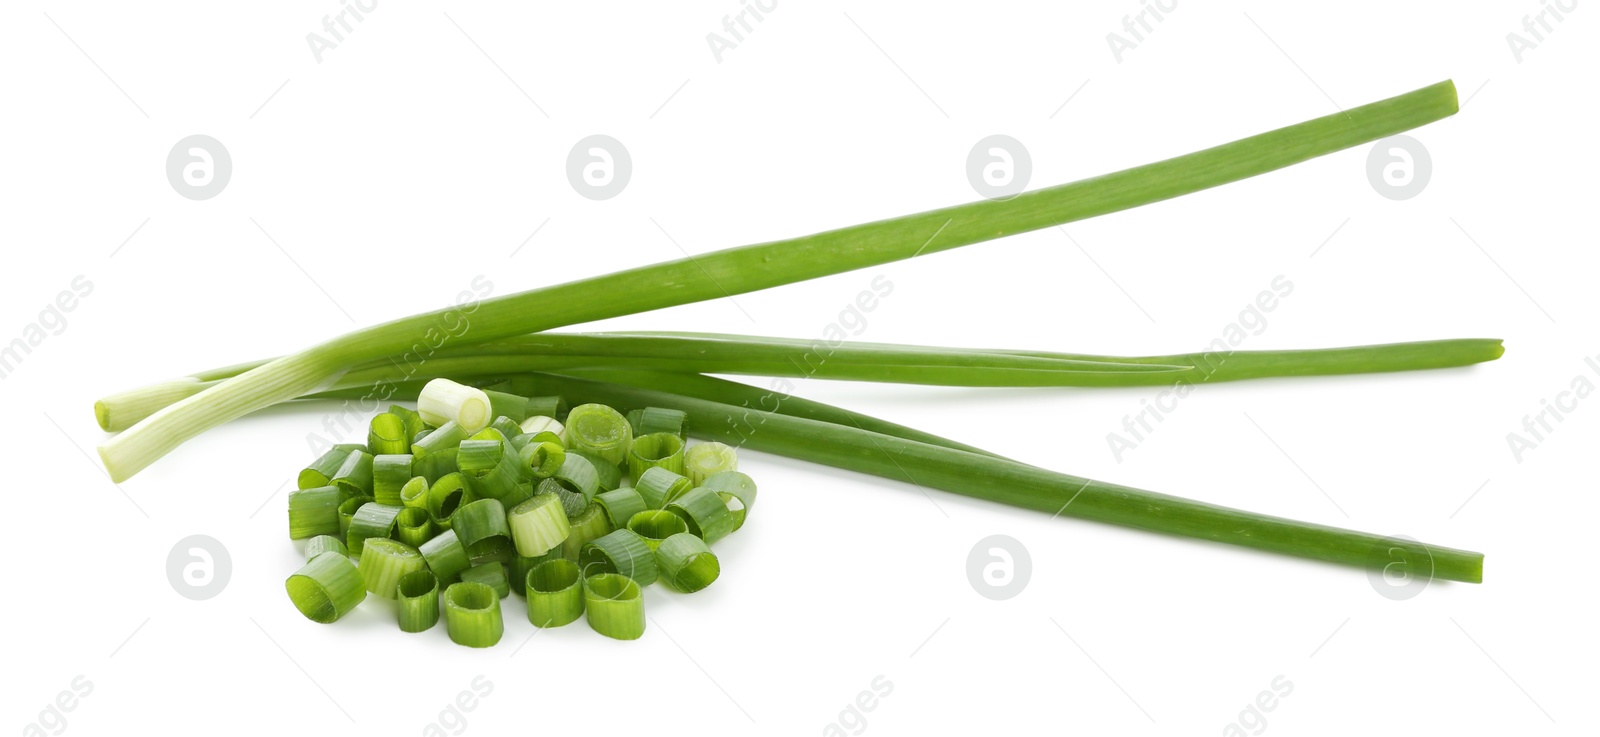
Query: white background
{"points": [[416, 156]]}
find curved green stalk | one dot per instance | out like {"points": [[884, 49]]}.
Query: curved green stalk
{"points": [[760, 266]]}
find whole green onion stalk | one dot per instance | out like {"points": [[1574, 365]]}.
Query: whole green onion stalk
{"points": [[760, 266]]}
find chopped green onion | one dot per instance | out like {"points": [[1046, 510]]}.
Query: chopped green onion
{"points": [[659, 486], [706, 459], [371, 521], [520, 565], [541, 423], [322, 470], [555, 593], [390, 472], [591, 523], [572, 502], [607, 475], [491, 574], [520, 493], [419, 601], [553, 407], [472, 614], [434, 465], [620, 551], [651, 420], [446, 496], [656, 449], [354, 477], [600, 430], [736, 508], [505, 427], [386, 434], [313, 512], [578, 474], [491, 466], [687, 563], [384, 562], [489, 433], [347, 512], [478, 523], [448, 435], [324, 544], [543, 459], [493, 550], [547, 436], [615, 606], [413, 526], [620, 505], [655, 525], [503, 404], [326, 588], [443, 401], [413, 421], [708, 516], [737, 490], [446, 556], [415, 493], [538, 525]]}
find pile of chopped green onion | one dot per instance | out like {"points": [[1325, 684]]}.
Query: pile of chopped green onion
{"points": [[575, 510]]}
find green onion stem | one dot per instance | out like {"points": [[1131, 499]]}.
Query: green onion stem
{"points": [[555, 593], [472, 614], [419, 601], [686, 563], [619, 551], [313, 512], [491, 574], [326, 588], [615, 606], [324, 544], [385, 562]]}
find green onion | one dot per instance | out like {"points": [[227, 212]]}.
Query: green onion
{"points": [[620, 505], [538, 525], [324, 544], [543, 459], [555, 593], [347, 512], [491, 574], [708, 516], [371, 521], [419, 601], [415, 493], [434, 465], [706, 459], [520, 493], [600, 430], [354, 477], [572, 502], [619, 551], [472, 614], [443, 401], [542, 423], [326, 588], [413, 526], [493, 550], [313, 512], [655, 525], [615, 606], [447, 495], [322, 470], [491, 466], [505, 427], [590, 524], [390, 473], [552, 407], [738, 492], [519, 566], [384, 562], [386, 434], [579, 475], [445, 555], [658, 486], [478, 523], [687, 563], [448, 435], [651, 420], [511, 406], [607, 475], [656, 449], [413, 421]]}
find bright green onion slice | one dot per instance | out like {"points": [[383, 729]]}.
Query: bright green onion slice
{"points": [[538, 525], [384, 562], [687, 563], [413, 421], [313, 512], [511, 406], [354, 477], [505, 427], [615, 606], [578, 474], [620, 505], [737, 490], [708, 516], [446, 556], [659, 486], [706, 459], [652, 420], [478, 523], [600, 430], [448, 435], [620, 551], [326, 588], [520, 493], [554, 407], [371, 521], [542, 459], [519, 566], [415, 493], [390, 472], [322, 470], [736, 508], [548, 436], [541, 423], [607, 475], [419, 601], [324, 544], [386, 434], [491, 574], [662, 449], [472, 614], [347, 512], [555, 593], [435, 465], [413, 526], [493, 550], [491, 466], [447, 495], [590, 524], [572, 502], [443, 401], [655, 525]]}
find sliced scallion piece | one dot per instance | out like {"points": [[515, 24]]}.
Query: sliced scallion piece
{"points": [[347, 512], [504, 404], [413, 526], [687, 563], [706, 459], [506, 427], [520, 493], [472, 614], [322, 470], [591, 523], [324, 544], [446, 556], [736, 508], [491, 574], [651, 420], [491, 466], [447, 495], [578, 474], [737, 490], [493, 550], [354, 476], [520, 565], [607, 475], [542, 459], [553, 407], [536, 424], [708, 516], [415, 493], [384, 562], [538, 525], [615, 606], [386, 434], [435, 465], [572, 502], [390, 472], [659, 486], [478, 523], [620, 505], [598, 429], [419, 601], [371, 521], [413, 421], [313, 512], [655, 525], [662, 449], [448, 435], [555, 593], [326, 588], [443, 401], [620, 551]]}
